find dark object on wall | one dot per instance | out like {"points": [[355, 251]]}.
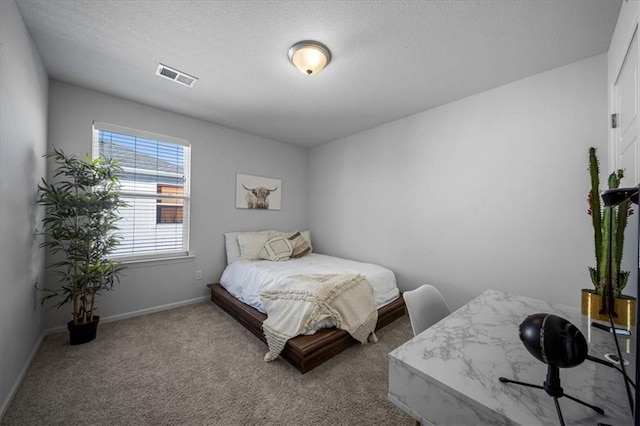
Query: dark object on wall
{"points": [[616, 196]]}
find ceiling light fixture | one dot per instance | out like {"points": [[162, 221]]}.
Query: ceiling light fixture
{"points": [[309, 56]]}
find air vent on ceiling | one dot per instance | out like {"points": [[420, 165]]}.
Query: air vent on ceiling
{"points": [[175, 75]]}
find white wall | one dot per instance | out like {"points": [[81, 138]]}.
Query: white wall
{"points": [[486, 192], [217, 154], [23, 131]]}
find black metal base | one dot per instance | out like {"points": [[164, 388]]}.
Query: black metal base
{"points": [[552, 387]]}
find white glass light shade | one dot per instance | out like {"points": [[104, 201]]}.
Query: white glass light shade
{"points": [[309, 56]]}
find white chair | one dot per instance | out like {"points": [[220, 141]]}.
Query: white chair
{"points": [[425, 306]]}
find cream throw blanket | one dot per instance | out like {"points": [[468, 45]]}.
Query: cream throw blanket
{"points": [[297, 303]]}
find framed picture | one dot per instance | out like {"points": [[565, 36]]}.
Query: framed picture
{"points": [[256, 192]]}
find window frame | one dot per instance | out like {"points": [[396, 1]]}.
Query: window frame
{"points": [[186, 197]]}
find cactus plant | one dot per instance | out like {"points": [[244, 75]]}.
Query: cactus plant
{"points": [[605, 247]]}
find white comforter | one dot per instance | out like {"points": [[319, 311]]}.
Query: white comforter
{"points": [[245, 280], [304, 301]]}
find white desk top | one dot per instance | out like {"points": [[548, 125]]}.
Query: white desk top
{"points": [[449, 373]]}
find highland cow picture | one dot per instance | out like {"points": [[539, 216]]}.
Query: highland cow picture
{"points": [[256, 192]]}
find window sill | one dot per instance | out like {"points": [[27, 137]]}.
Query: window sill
{"points": [[133, 263]]}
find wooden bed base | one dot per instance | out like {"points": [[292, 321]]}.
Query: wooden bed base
{"points": [[303, 352]]}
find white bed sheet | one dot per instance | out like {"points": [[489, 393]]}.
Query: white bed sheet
{"points": [[245, 280]]}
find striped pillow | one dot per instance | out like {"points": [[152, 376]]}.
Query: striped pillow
{"points": [[300, 245]]}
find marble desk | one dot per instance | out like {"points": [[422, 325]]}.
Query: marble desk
{"points": [[448, 375]]}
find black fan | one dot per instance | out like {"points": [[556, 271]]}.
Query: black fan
{"points": [[559, 344]]}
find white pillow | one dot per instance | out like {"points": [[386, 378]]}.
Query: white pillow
{"points": [[307, 236], [277, 248], [232, 246], [252, 243]]}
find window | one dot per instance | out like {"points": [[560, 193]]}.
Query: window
{"points": [[170, 210], [155, 185]]}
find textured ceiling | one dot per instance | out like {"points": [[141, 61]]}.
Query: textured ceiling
{"points": [[390, 58]]}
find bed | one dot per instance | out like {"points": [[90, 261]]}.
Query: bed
{"points": [[247, 275]]}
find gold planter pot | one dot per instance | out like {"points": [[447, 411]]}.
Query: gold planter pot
{"points": [[624, 306]]}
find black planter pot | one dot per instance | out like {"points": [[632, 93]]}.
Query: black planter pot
{"points": [[83, 333]]}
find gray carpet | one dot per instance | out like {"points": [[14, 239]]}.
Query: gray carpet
{"points": [[195, 365]]}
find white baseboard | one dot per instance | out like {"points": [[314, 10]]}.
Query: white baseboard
{"points": [[16, 385], [137, 313]]}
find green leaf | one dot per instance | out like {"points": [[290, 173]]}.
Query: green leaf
{"points": [[81, 205]]}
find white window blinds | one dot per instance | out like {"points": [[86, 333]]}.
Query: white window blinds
{"points": [[155, 184]]}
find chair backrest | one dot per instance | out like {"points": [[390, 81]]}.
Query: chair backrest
{"points": [[426, 306]]}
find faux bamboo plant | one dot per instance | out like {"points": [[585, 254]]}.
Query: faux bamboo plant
{"points": [[80, 230], [600, 217]]}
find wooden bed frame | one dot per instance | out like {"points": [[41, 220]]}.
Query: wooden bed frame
{"points": [[303, 352]]}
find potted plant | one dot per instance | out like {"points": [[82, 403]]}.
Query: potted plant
{"points": [[609, 224], [80, 228]]}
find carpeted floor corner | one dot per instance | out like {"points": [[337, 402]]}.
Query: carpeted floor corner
{"points": [[195, 365]]}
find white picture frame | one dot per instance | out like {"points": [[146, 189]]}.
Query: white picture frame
{"points": [[257, 192]]}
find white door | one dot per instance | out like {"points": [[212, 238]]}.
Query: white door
{"points": [[624, 144], [626, 147]]}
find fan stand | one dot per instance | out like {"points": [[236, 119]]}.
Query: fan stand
{"points": [[552, 387]]}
